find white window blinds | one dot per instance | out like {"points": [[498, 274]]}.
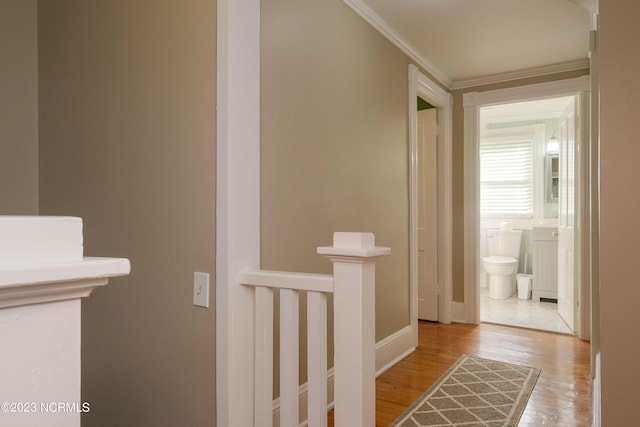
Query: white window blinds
{"points": [[506, 177]]}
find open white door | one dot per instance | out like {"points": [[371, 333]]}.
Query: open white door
{"points": [[427, 216], [566, 214]]}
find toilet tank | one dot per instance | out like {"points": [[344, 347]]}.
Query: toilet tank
{"points": [[504, 243]]}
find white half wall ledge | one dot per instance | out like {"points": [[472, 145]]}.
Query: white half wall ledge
{"points": [[31, 239], [56, 281], [43, 276], [41, 260]]}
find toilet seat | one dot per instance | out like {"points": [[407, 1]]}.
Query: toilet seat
{"points": [[500, 260]]}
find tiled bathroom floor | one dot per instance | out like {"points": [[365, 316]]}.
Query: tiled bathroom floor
{"points": [[523, 313]]}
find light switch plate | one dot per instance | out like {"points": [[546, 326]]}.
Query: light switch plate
{"points": [[201, 289]]}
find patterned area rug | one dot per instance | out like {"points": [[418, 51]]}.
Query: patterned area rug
{"points": [[473, 392]]}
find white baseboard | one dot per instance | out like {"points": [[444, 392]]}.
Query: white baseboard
{"points": [[458, 312], [389, 351], [394, 348], [597, 393]]}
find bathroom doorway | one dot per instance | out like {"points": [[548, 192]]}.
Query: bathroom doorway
{"points": [[519, 150], [526, 120]]}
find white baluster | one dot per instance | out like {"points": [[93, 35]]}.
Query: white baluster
{"points": [[264, 357], [317, 358], [289, 383]]}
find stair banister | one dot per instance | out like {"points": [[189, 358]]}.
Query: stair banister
{"points": [[353, 287]]}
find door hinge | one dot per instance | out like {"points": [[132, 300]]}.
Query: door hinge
{"points": [[593, 41]]}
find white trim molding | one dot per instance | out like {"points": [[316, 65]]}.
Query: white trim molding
{"points": [[423, 86], [393, 349], [472, 102], [237, 204], [471, 199], [580, 64], [384, 28], [57, 281], [391, 34], [529, 92], [458, 312]]}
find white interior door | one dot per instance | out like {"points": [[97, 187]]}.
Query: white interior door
{"points": [[566, 214], [427, 215]]}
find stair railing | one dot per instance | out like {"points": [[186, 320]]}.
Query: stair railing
{"points": [[353, 287]]}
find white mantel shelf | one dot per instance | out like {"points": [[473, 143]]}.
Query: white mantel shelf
{"points": [[56, 281]]}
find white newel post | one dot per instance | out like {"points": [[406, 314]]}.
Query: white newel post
{"points": [[353, 256]]}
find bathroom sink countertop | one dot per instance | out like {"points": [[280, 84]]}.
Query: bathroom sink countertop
{"points": [[546, 224]]}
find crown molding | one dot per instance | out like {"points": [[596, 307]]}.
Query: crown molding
{"points": [[580, 64], [589, 5], [384, 28]]}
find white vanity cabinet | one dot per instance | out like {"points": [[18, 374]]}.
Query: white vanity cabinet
{"points": [[545, 263]]}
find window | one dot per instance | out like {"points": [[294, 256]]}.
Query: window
{"points": [[506, 176]]}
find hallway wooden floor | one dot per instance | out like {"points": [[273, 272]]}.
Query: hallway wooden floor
{"points": [[561, 397]]}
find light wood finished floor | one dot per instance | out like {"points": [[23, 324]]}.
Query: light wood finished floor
{"points": [[561, 397]]}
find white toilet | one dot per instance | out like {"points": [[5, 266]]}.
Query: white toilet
{"points": [[502, 263]]}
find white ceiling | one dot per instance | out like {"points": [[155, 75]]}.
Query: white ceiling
{"points": [[464, 41]]}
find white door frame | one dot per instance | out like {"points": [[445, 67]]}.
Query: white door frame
{"points": [[423, 86], [472, 101], [237, 205]]}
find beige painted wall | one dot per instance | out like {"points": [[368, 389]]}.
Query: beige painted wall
{"points": [[18, 107], [619, 210], [127, 135], [334, 144], [458, 166]]}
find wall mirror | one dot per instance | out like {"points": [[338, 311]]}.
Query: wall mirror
{"points": [[551, 177]]}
